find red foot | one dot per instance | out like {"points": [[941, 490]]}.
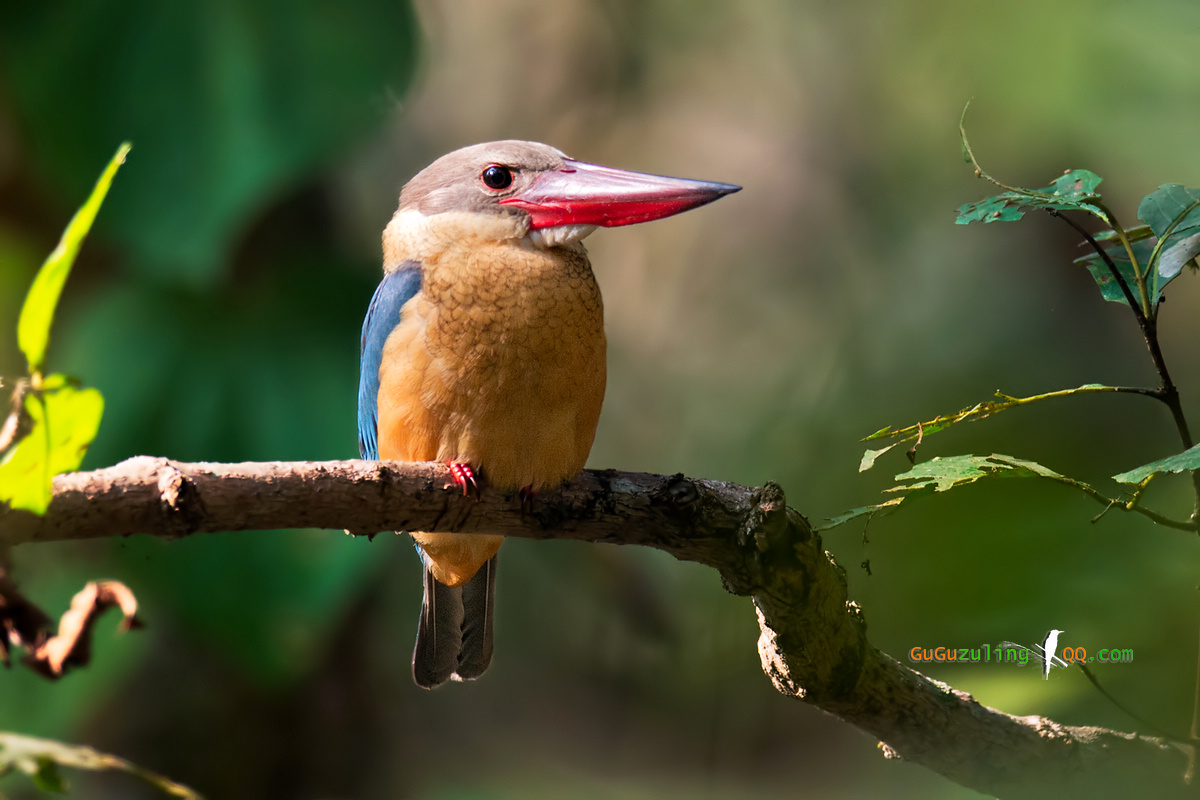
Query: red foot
{"points": [[464, 476], [528, 495]]}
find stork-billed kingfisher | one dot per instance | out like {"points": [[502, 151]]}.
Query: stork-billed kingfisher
{"points": [[483, 347]]}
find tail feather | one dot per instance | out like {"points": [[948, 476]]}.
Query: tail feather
{"points": [[479, 600], [439, 634], [454, 633]]}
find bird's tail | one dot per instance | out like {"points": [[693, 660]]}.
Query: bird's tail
{"points": [[454, 633]]}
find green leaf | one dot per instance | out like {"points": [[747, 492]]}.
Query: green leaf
{"points": [[1187, 460], [1173, 213], [40, 759], [862, 511], [869, 457], [65, 419], [1110, 290], [33, 326], [1132, 234], [1000, 208], [1077, 185], [943, 474], [1075, 190], [1160, 208], [882, 433]]}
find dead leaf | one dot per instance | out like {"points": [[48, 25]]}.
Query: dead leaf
{"points": [[72, 646]]}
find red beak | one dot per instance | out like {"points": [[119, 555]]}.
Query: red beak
{"points": [[588, 194]]}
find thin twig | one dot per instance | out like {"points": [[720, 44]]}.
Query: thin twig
{"points": [[988, 408], [1110, 502], [1112, 267]]}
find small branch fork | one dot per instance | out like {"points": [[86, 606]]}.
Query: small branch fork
{"points": [[812, 644], [1166, 392]]}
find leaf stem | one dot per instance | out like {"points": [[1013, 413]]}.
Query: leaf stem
{"points": [[1123, 237]]}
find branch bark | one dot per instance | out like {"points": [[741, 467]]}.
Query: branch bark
{"points": [[813, 641]]}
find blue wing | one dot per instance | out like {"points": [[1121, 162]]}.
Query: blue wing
{"points": [[396, 289]]}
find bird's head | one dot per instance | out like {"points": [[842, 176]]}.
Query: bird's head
{"points": [[515, 189]]}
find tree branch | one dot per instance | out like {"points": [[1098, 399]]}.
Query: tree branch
{"points": [[813, 640]]}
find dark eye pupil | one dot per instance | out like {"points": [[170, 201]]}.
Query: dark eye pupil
{"points": [[497, 177]]}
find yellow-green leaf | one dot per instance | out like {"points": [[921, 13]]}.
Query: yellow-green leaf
{"points": [[65, 419], [33, 327], [869, 457]]}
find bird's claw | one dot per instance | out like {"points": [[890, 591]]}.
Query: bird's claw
{"points": [[464, 476]]}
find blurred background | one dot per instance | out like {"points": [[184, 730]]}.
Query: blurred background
{"points": [[219, 301]]}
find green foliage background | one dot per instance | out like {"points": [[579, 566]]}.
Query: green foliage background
{"points": [[217, 306]]}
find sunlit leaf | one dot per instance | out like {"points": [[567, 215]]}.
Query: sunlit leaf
{"points": [[65, 419], [1187, 460], [33, 326], [869, 457], [939, 423], [883, 432], [1075, 190], [974, 413], [862, 511], [943, 474], [41, 758]]}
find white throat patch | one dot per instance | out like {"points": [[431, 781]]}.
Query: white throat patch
{"points": [[559, 235]]}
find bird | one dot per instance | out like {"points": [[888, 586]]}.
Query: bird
{"points": [[483, 347], [1049, 646]]}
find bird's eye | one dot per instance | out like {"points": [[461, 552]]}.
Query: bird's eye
{"points": [[497, 177]]}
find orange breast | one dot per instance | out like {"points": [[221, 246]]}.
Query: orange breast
{"points": [[498, 362]]}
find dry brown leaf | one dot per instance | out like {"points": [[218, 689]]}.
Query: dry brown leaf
{"points": [[72, 645]]}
